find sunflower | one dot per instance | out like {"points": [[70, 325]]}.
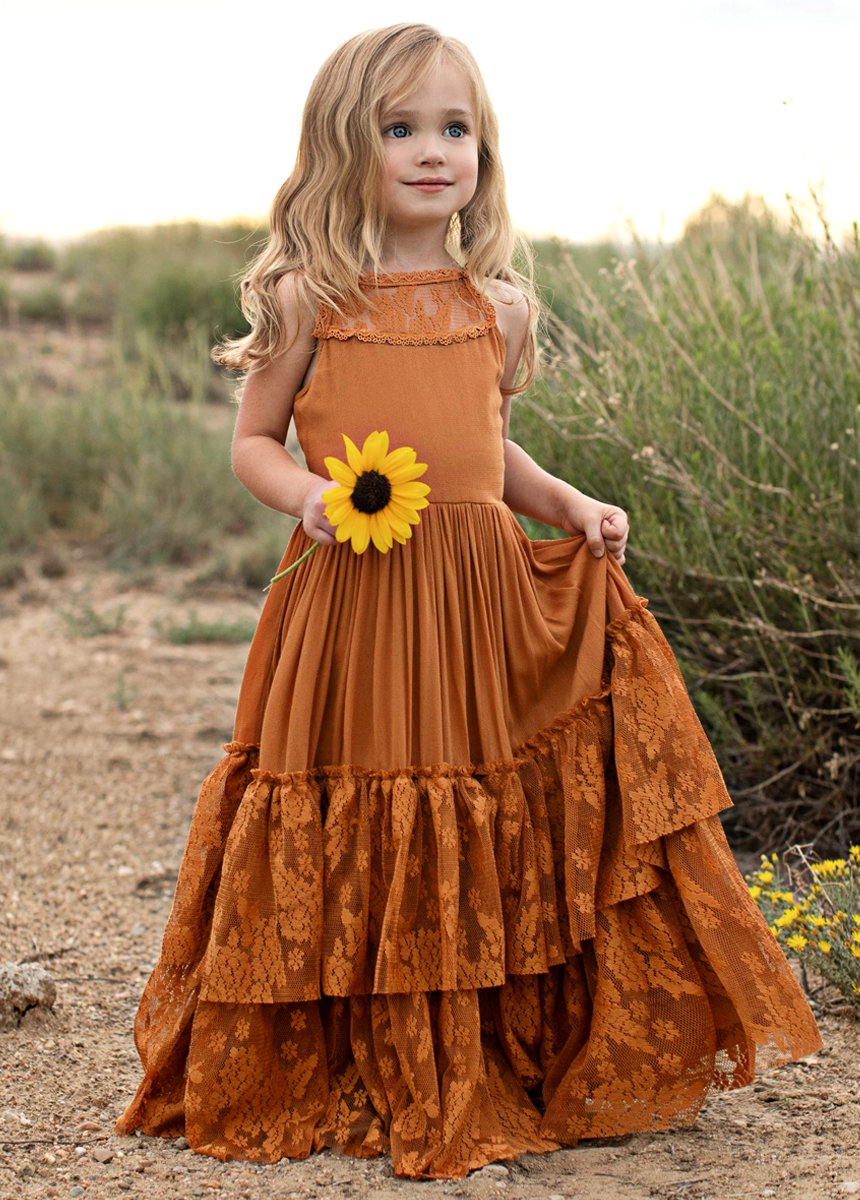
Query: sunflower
{"points": [[376, 497]]}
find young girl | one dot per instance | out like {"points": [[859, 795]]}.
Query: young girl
{"points": [[458, 889]]}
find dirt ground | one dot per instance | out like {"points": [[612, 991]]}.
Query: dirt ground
{"points": [[107, 736]]}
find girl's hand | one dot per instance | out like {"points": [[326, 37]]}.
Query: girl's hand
{"points": [[605, 525], [314, 521]]}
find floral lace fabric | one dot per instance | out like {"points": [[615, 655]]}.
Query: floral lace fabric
{"points": [[413, 309], [459, 888]]}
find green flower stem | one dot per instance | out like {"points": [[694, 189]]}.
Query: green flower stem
{"points": [[291, 567]]}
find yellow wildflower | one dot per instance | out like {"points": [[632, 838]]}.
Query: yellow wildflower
{"points": [[787, 917], [755, 892], [824, 947], [797, 941]]}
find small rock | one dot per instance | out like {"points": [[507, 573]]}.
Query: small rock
{"points": [[76, 1191], [181, 1143], [494, 1171], [851, 1187], [102, 1154], [137, 930], [23, 986]]}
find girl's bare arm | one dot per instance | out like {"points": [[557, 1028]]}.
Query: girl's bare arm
{"points": [[259, 458], [529, 489]]}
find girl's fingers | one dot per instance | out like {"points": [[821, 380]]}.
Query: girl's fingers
{"points": [[615, 529], [596, 541]]}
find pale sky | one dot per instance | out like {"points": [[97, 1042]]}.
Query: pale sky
{"points": [[123, 112]]}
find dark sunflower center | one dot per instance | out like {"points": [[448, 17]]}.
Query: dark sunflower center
{"points": [[372, 492]]}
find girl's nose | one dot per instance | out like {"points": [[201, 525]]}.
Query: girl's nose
{"points": [[431, 150]]}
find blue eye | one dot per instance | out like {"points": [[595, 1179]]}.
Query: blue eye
{"points": [[397, 131], [456, 129]]}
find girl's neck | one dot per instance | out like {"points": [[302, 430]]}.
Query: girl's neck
{"points": [[414, 250]]}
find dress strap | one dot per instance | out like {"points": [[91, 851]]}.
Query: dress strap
{"points": [[414, 308]]}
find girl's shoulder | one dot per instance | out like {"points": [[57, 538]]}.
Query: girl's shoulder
{"points": [[513, 311], [294, 297], [296, 309]]}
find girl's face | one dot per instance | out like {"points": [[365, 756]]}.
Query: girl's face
{"points": [[431, 152]]}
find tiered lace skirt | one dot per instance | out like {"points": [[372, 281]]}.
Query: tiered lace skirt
{"points": [[458, 889]]}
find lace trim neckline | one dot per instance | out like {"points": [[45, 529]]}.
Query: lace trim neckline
{"points": [[393, 278]]}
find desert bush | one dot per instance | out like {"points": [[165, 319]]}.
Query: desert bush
{"points": [[39, 304], [31, 255], [125, 467], [715, 396], [165, 280], [194, 630]]}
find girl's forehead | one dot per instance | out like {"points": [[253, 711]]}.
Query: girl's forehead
{"points": [[444, 80]]}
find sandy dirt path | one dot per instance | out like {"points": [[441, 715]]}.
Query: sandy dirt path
{"points": [[105, 741]]}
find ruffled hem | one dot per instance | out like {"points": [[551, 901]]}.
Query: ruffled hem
{"points": [[455, 963]]}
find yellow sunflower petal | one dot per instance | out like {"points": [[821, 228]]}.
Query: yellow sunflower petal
{"points": [[409, 503], [340, 472], [403, 538], [406, 514], [406, 473], [400, 457], [374, 450], [339, 511], [409, 491], [343, 531], [354, 455], [337, 493], [360, 532], [396, 523], [380, 533]]}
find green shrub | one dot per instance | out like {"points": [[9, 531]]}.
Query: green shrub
{"points": [[125, 467], [41, 304], [165, 280], [35, 255], [711, 388], [195, 631]]}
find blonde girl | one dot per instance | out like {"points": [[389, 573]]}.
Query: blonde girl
{"points": [[458, 889]]}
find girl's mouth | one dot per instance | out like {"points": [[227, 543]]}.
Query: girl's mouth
{"points": [[430, 185]]}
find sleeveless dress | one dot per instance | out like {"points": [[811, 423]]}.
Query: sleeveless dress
{"points": [[458, 889]]}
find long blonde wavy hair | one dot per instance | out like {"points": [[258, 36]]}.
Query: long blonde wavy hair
{"points": [[326, 221]]}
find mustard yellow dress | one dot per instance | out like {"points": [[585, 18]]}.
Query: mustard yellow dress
{"points": [[458, 889]]}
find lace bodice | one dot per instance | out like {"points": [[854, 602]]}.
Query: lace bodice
{"points": [[413, 308]]}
